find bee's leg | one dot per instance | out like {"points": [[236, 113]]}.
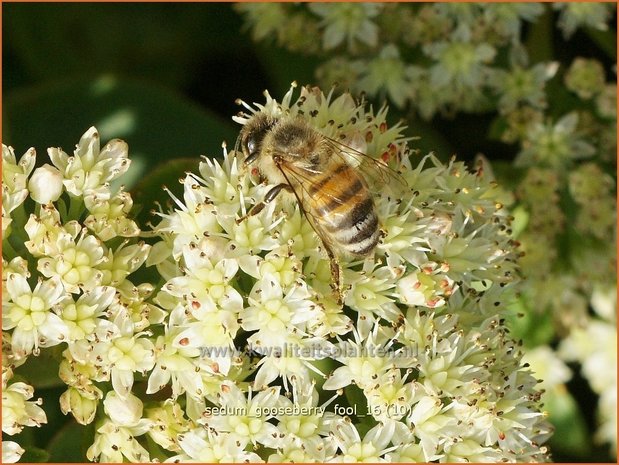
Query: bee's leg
{"points": [[335, 274], [267, 199]]}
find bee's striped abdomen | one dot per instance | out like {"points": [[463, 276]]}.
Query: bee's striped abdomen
{"points": [[344, 210]]}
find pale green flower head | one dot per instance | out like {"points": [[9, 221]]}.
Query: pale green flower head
{"points": [[18, 411], [506, 18], [554, 145], [593, 190], [15, 173], [575, 15], [266, 18], [14, 183], [347, 22], [522, 86], [28, 312], [389, 74], [539, 191], [459, 62], [169, 424], [81, 403], [585, 78], [606, 103]]}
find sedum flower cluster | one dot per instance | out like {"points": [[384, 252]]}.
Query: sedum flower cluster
{"points": [[237, 348], [434, 57], [260, 363], [68, 250], [434, 60]]}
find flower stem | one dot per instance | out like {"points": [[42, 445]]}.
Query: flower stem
{"points": [[76, 205]]}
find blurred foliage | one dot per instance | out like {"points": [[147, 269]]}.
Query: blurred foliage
{"points": [[164, 77]]}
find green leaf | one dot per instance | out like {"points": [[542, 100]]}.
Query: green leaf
{"points": [[164, 41], [571, 437], [158, 124], [358, 404], [150, 189], [42, 371], [35, 455], [497, 128], [531, 325], [71, 443], [325, 365]]}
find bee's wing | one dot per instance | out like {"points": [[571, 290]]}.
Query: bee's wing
{"points": [[304, 187], [309, 184], [376, 172]]}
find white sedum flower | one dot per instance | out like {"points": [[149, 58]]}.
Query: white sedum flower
{"points": [[118, 354], [114, 443], [579, 14], [115, 438], [18, 411], [75, 262], [205, 446], [108, 216], [369, 449], [81, 403], [85, 315], [246, 418], [15, 173], [29, 313], [14, 182], [175, 360], [364, 360], [168, 424], [90, 168], [272, 313]]}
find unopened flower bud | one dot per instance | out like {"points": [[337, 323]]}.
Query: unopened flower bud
{"points": [[45, 185], [81, 403]]}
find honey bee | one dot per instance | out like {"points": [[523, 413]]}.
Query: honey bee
{"points": [[332, 193]]}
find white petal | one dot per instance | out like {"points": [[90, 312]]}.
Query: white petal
{"points": [[340, 378], [23, 341], [11, 452], [16, 285], [192, 444], [124, 412], [54, 330], [122, 381]]}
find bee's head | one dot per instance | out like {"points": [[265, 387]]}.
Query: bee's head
{"points": [[253, 133]]}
